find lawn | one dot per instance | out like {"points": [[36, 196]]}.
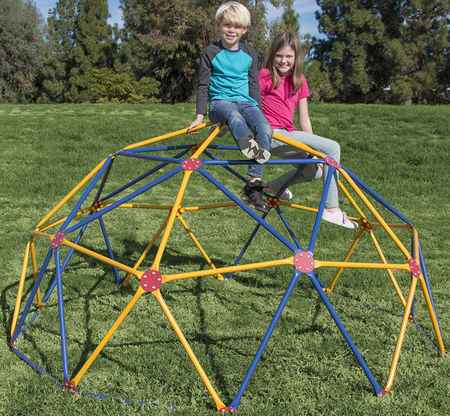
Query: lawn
{"points": [[400, 152]]}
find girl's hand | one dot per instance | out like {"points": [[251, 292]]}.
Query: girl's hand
{"points": [[196, 122]]}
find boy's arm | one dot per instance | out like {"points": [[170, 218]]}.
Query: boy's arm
{"points": [[203, 84], [253, 77]]}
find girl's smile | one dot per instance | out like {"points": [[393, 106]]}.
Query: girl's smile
{"points": [[284, 60]]}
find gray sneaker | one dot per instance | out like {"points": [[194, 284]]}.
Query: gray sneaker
{"points": [[249, 147]]}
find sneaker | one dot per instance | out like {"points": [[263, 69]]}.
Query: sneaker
{"points": [[249, 147], [286, 194], [262, 156], [340, 218], [253, 194]]}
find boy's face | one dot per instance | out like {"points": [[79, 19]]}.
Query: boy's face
{"points": [[231, 34]]}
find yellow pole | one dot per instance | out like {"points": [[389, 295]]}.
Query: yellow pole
{"points": [[209, 206], [350, 252], [70, 195], [202, 147], [20, 288], [352, 201], [171, 219], [362, 265], [198, 244], [164, 137], [179, 199], [107, 337], [403, 327], [126, 280], [297, 206], [100, 257], [35, 272], [375, 213], [431, 312], [230, 269], [212, 392], [391, 275]]}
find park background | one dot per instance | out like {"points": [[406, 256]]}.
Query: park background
{"points": [[79, 86]]}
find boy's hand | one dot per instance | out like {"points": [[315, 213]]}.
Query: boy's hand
{"points": [[196, 122]]}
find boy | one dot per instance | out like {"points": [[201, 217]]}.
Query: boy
{"points": [[228, 80]]}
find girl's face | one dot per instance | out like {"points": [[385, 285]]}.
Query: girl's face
{"points": [[284, 60]]}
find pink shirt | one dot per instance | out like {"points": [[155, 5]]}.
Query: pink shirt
{"points": [[278, 104]]}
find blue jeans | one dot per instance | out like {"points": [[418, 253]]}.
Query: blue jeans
{"points": [[244, 121]]}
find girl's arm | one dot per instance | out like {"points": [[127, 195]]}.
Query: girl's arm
{"points": [[305, 122]]}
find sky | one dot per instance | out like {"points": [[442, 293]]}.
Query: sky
{"points": [[305, 8]]}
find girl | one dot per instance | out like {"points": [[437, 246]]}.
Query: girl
{"points": [[283, 88]]}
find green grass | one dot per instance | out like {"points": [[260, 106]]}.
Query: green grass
{"points": [[401, 152]]}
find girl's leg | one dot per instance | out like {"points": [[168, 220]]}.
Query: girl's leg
{"points": [[228, 113], [322, 144]]}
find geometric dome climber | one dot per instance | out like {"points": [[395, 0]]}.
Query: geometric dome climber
{"points": [[92, 204]]}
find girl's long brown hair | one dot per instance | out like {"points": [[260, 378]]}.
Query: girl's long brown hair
{"points": [[282, 40]]}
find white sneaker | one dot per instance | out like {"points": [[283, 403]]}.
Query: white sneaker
{"points": [[339, 217], [286, 194]]}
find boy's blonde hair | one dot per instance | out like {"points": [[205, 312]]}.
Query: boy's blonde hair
{"points": [[235, 13]]}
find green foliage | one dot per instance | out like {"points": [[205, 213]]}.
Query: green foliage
{"points": [[385, 45], [104, 85], [321, 88], [21, 48]]}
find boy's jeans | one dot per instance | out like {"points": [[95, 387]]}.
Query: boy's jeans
{"points": [[245, 121]]}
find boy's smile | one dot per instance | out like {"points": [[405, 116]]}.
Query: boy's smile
{"points": [[231, 34]]}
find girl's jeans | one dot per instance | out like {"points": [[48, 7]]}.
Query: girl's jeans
{"points": [[306, 172], [245, 121]]}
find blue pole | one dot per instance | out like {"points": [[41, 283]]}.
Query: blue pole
{"points": [[231, 170], [288, 227], [270, 162], [377, 197], [52, 285], [247, 244], [109, 248], [30, 362], [62, 325], [123, 200], [85, 194], [237, 399], [318, 220], [32, 295], [245, 208], [359, 358], [141, 177]]}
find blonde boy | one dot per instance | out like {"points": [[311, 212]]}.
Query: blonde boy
{"points": [[228, 82]]}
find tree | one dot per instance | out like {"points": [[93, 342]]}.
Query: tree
{"points": [[53, 79], [164, 39], [21, 46], [376, 45], [93, 47]]}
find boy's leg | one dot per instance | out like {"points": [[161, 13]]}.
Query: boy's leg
{"points": [[228, 113], [257, 122]]}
